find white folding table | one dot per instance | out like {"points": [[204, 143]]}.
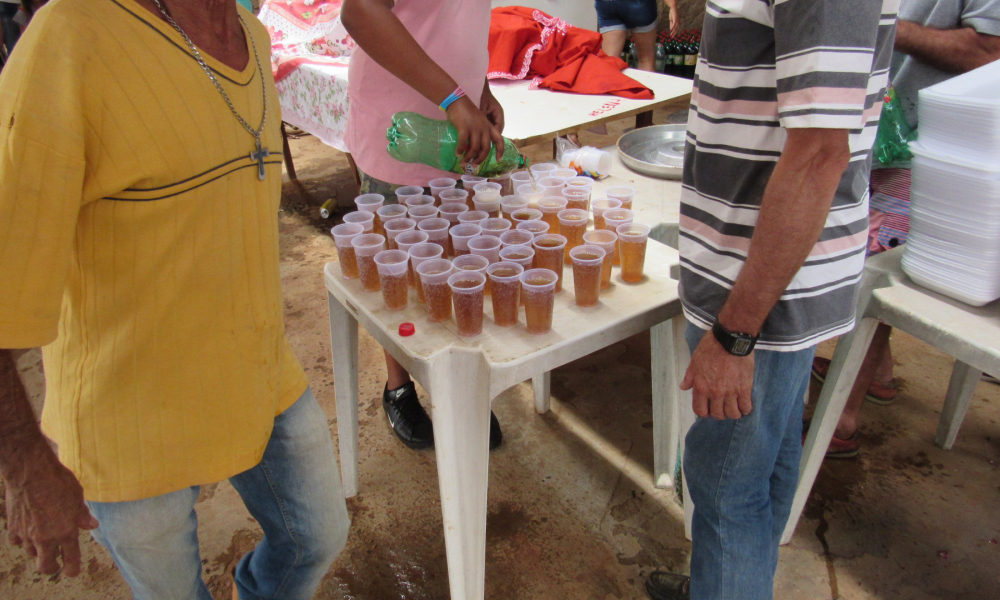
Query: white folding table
{"points": [[463, 376], [537, 115]]}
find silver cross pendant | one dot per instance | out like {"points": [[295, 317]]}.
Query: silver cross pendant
{"points": [[259, 155]]}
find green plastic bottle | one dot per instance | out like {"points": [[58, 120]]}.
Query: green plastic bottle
{"points": [[414, 138], [892, 141]]}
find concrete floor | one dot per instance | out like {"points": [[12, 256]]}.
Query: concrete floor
{"points": [[572, 512]]}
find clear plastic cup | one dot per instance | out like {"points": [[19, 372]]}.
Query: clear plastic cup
{"points": [[572, 225], [577, 197], [371, 203], [392, 266], [396, 227], [587, 263], [473, 216], [623, 193], [471, 262], [409, 239], [441, 184], [538, 288], [469, 182], [549, 255], [467, 296], [580, 181], [522, 255], [451, 211], [526, 214], [366, 246], [519, 178], [506, 184], [420, 253], [551, 207], [406, 192], [495, 227], [597, 207], [489, 190], [491, 205], [607, 241], [594, 162], [509, 204], [390, 212], [456, 196], [342, 236], [362, 217], [529, 192], [516, 237], [506, 285], [551, 186], [542, 169], [486, 246], [437, 232], [423, 212], [460, 236], [434, 276], [535, 228], [565, 173], [613, 219], [420, 200], [632, 240]]}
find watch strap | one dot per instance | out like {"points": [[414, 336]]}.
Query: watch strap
{"points": [[737, 344]]}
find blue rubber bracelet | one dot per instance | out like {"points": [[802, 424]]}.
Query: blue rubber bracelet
{"points": [[449, 101]]}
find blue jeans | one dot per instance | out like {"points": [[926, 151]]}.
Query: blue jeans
{"points": [[742, 475], [295, 494]]}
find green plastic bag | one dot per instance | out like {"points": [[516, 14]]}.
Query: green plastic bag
{"points": [[892, 142]]}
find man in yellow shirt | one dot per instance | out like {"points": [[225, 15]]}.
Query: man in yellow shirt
{"points": [[139, 246]]}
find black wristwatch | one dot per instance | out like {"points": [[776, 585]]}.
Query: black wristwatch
{"points": [[737, 344]]}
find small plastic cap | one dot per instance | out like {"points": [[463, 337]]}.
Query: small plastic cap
{"points": [[407, 329]]}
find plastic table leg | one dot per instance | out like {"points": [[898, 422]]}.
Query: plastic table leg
{"points": [[666, 426], [344, 343], [844, 367], [459, 384], [964, 379], [542, 387]]}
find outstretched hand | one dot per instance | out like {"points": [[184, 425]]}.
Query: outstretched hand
{"points": [[45, 513], [721, 383], [475, 131]]}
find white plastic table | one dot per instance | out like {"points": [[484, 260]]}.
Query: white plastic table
{"points": [[464, 375], [536, 115], [970, 334]]}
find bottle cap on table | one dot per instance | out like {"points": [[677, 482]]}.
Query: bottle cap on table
{"points": [[407, 329]]}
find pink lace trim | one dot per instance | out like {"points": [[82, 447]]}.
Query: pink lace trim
{"points": [[550, 25]]}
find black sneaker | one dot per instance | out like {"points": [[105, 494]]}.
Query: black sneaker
{"points": [[662, 585], [407, 417]]}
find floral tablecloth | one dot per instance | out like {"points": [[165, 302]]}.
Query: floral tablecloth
{"points": [[310, 55]]}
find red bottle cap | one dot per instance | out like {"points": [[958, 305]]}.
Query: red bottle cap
{"points": [[407, 329]]}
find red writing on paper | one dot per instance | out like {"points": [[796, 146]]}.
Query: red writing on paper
{"points": [[606, 107]]}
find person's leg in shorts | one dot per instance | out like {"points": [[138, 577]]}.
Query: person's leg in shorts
{"points": [[295, 493], [612, 29], [407, 417]]}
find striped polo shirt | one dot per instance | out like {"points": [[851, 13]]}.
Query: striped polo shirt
{"points": [[768, 65]]}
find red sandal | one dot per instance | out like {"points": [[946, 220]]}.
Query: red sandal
{"points": [[882, 393]]}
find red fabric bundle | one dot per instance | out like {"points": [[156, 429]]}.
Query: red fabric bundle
{"points": [[525, 42]]}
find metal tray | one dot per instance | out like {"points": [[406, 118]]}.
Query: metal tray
{"points": [[657, 151]]}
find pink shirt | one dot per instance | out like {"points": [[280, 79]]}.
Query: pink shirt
{"points": [[454, 33]]}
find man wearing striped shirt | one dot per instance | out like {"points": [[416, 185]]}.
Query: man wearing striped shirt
{"points": [[774, 215]]}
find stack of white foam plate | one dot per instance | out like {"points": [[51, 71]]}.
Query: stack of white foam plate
{"points": [[954, 243], [960, 117]]}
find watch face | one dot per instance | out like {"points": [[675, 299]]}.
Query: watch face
{"points": [[741, 346]]}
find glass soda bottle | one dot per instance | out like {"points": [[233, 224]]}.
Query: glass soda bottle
{"points": [[414, 138]]}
